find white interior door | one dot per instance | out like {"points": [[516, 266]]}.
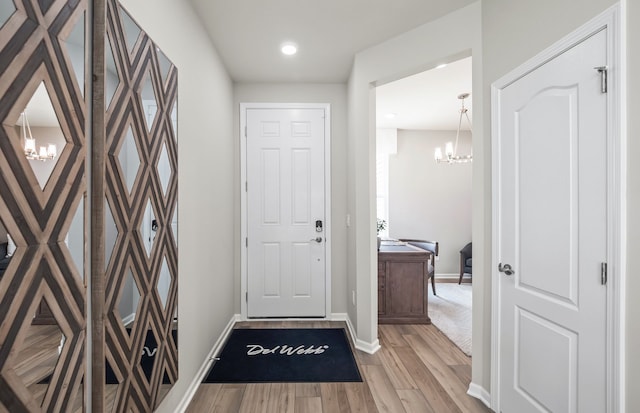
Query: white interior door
{"points": [[286, 225], [552, 232]]}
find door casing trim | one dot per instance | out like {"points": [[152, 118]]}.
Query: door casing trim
{"points": [[616, 205], [244, 283]]}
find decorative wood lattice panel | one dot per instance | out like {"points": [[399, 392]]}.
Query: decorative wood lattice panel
{"points": [[35, 51], [141, 189]]}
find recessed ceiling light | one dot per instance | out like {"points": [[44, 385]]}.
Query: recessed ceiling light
{"points": [[390, 115], [440, 66], [289, 49]]}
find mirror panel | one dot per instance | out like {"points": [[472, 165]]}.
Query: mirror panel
{"points": [[41, 136], [174, 120], [74, 47], [149, 227], [131, 30], [36, 359], [7, 8], [129, 302], [112, 78], [75, 240], [165, 386], [164, 169], [141, 186], [129, 158], [7, 249], [113, 379], [110, 233], [165, 65], [148, 100], [164, 283], [149, 353], [174, 225]]}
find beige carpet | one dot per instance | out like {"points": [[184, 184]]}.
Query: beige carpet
{"points": [[450, 311]]}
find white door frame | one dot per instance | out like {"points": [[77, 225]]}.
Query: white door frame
{"points": [[243, 195], [616, 202]]}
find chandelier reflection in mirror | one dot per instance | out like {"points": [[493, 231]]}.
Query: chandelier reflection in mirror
{"points": [[451, 151], [46, 152]]}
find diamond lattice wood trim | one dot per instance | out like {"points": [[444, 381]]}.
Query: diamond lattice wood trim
{"points": [[32, 51]]}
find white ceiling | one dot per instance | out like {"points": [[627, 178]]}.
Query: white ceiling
{"points": [[427, 100], [248, 33]]}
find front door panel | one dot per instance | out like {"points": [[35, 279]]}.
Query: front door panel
{"points": [[285, 207]]}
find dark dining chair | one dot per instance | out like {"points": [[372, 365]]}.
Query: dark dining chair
{"points": [[466, 261], [431, 246]]}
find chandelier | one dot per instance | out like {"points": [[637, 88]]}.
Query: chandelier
{"points": [[451, 151], [45, 153]]}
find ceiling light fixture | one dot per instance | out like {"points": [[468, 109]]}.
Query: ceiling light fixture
{"points": [[451, 152], [48, 152], [289, 49]]}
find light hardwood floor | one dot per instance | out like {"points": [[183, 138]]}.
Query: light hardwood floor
{"points": [[417, 370]]}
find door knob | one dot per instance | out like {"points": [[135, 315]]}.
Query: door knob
{"points": [[506, 269], [316, 239]]}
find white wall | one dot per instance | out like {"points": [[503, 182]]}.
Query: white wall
{"points": [[513, 32], [336, 95], [205, 193], [430, 200], [449, 38]]}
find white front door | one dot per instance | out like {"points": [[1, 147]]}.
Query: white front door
{"points": [[552, 234], [286, 220]]}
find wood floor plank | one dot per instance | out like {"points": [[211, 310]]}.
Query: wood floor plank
{"points": [[384, 394], [334, 398], [255, 398], [414, 401], [229, 398], [282, 398], [397, 372], [444, 375], [308, 390], [308, 405], [204, 399], [360, 398], [432, 390], [390, 336], [463, 372], [447, 350]]}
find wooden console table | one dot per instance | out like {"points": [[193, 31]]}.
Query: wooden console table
{"points": [[402, 285]]}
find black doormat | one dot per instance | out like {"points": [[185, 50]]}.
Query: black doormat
{"points": [[285, 355]]}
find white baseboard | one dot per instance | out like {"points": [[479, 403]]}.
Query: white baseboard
{"points": [[447, 275], [479, 393], [128, 319], [215, 350], [450, 277], [361, 345]]}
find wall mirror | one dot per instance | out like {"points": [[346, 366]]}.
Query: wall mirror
{"points": [[43, 208], [45, 231], [140, 217]]}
